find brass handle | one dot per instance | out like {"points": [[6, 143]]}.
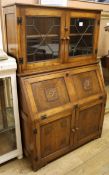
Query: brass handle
{"points": [[68, 38], [77, 129], [73, 130]]}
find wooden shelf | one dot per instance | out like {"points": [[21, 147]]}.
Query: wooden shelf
{"points": [[39, 36], [7, 129], [83, 48], [79, 34]]}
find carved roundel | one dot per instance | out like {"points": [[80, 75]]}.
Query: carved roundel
{"points": [[87, 83], [51, 94]]}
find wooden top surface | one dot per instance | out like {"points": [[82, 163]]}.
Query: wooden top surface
{"points": [[46, 6]]}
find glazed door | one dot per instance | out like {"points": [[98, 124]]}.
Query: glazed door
{"points": [[7, 122], [82, 37], [42, 36], [89, 121]]}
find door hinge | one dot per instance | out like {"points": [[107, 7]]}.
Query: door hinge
{"points": [[20, 60], [19, 20], [96, 50], [34, 131]]}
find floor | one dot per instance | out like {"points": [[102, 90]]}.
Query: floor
{"points": [[90, 159]]}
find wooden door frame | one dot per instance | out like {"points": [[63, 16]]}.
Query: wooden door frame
{"points": [[39, 12]]}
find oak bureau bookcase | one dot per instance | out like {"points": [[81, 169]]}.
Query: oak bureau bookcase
{"points": [[61, 89]]}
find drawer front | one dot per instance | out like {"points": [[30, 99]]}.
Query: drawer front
{"points": [[55, 136], [86, 84]]}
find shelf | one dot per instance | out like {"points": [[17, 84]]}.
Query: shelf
{"points": [[81, 48], [40, 36], [80, 34], [7, 129]]}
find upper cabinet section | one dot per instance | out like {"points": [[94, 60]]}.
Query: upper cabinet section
{"points": [[51, 38]]}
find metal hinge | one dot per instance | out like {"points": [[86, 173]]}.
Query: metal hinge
{"points": [[34, 131], [20, 60], [19, 20], [96, 50]]}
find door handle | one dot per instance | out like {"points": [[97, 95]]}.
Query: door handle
{"points": [[68, 38], [77, 129], [73, 130]]}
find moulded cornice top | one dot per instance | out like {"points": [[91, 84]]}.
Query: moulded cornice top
{"points": [[46, 6]]}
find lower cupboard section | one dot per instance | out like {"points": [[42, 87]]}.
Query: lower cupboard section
{"points": [[53, 139]]}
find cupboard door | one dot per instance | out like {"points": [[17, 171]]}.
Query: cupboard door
{"points": [[89, 122], [42, 41], [82, 36], [55, 136]]}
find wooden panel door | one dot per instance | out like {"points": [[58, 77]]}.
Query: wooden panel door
{"points": [[55, 136], [42, 37], [89, 122], [82, 37]]}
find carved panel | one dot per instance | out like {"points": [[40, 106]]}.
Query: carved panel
{"points": [[87, 83], [51, 94]]}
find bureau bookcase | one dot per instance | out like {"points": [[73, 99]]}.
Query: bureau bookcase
{"points": [[61, 89]]}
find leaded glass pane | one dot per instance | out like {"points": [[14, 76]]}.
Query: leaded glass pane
{"points": [[43, 38], [81, 36]]}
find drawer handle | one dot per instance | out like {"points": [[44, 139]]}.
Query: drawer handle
{"points": [[77, 129], [73, 130], [43, 117]]}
